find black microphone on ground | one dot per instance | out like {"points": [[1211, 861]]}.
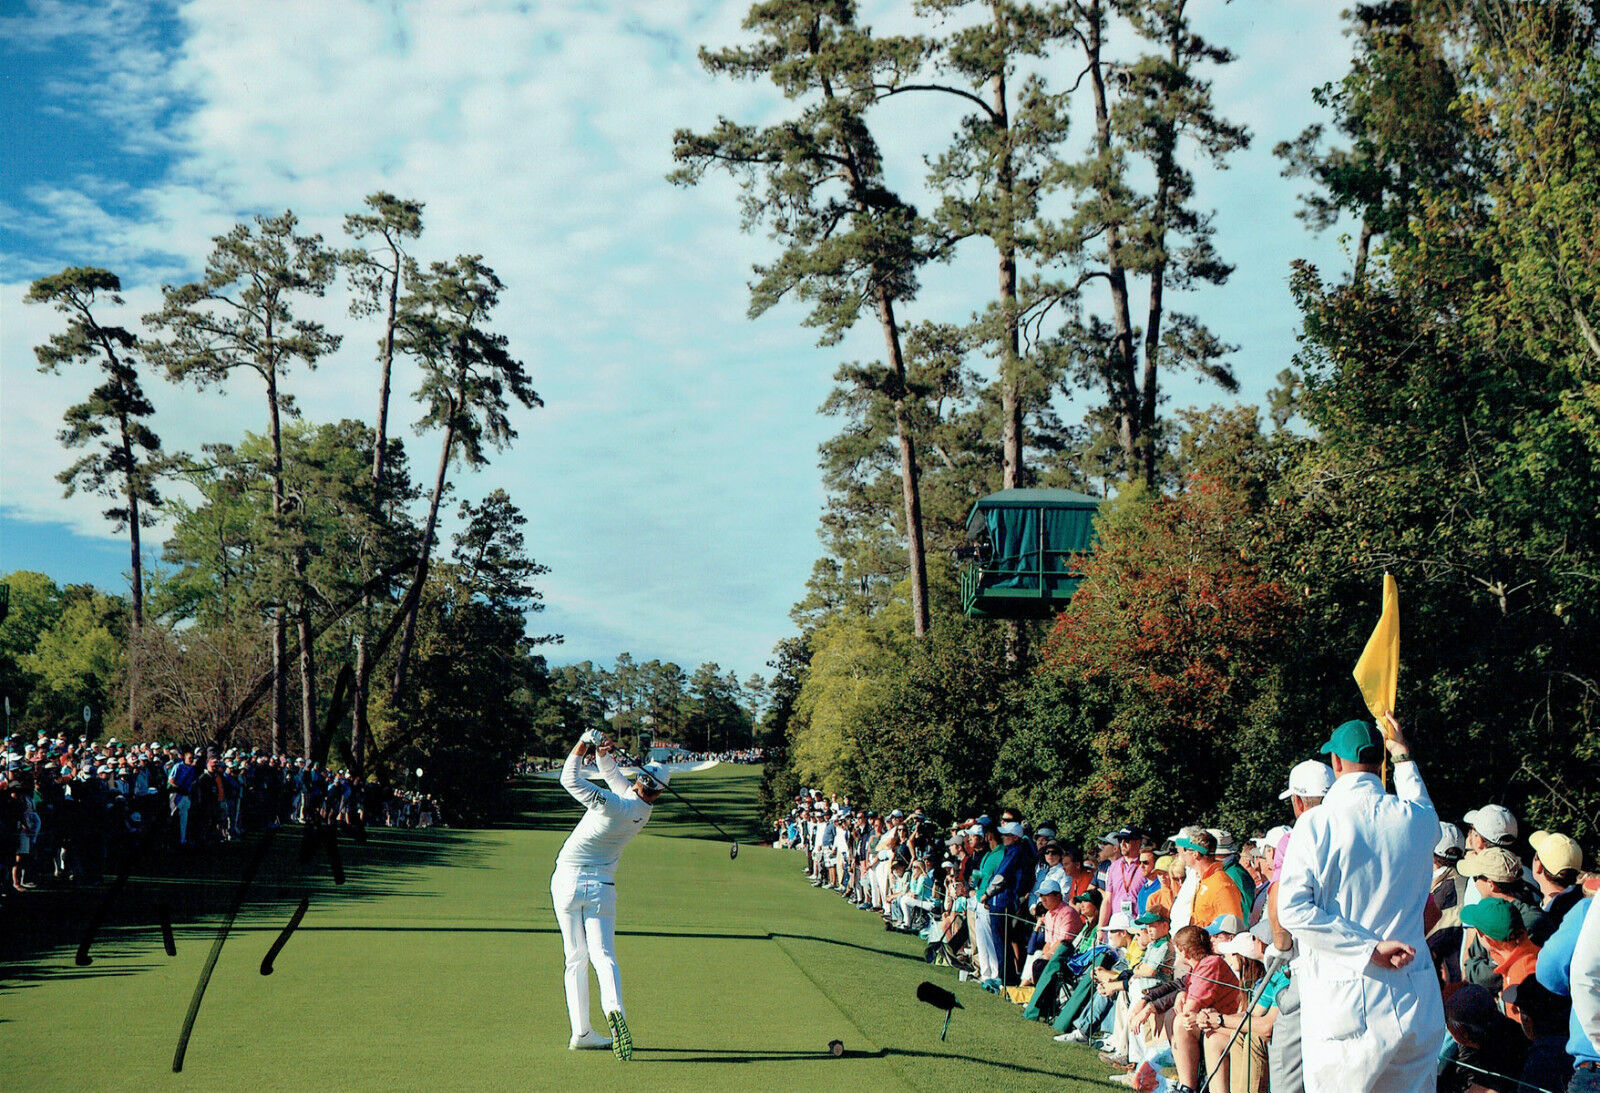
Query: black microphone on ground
{"points": [[939, 998]]}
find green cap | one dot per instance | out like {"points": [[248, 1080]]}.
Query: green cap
{"points": [[1355, 742], [1150, 918], [1494, 918]]}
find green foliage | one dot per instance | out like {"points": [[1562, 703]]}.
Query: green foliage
{"points": [[468, 715], [78, 662]]}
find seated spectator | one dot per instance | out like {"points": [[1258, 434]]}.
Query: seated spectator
{"points": [[1489, 1049], [1544, 1017], [1449, 886], [1556, 862], [1210, 991], [1061, 923], [1514, 955], [1496, 874]]}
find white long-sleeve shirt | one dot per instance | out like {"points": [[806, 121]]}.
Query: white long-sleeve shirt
{"points": [[1586, 983], [1357, 872], [613, 816]]}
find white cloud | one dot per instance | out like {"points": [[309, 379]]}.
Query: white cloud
{"points": [[671, 479]]}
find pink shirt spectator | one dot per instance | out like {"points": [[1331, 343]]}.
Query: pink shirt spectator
{"points": [[1062, 924]]}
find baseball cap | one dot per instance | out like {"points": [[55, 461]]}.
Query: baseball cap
{"points": [[1493, 863], [1119, 921], [1312, 778], [1012, 828], [1355, 742], [1047, 831], [1452, 844], [1129, 832], [1558, 853], [1225, 924], [1088, 895], [654, 776], [1495, 823], [1494, 918], [1048, 885], [1164, 863], [1149, 918], [1272, 838]]}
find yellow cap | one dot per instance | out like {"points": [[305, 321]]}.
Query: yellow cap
{"points": [[1558, 853]]}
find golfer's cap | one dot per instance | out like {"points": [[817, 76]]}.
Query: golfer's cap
{"points": [[1225, 924], [1558, 853], [1494, 918], [1312, 778], [1225, 841], [1355, 742], [1493, 863], [1047, 886], [1012, 828], [1047, 831], [1495, 823], [1452, 844], [1120, 921], [654, 776], [1150, 918]]}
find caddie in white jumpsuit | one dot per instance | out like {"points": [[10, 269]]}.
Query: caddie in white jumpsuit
{"points": [[1355, 878], [583, 888]]}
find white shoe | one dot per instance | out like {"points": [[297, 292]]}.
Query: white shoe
{"points": [[1075, 1036], [590, 1040]]}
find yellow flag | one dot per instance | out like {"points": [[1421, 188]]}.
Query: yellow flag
{"points": [[1378, 670]]}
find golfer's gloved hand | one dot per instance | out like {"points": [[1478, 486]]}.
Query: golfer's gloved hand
{"points": [[592, 737]]}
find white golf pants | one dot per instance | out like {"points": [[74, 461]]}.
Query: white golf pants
{"points": [[586, 910]]}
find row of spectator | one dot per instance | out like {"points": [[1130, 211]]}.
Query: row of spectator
{"points": [[1164, 953]]}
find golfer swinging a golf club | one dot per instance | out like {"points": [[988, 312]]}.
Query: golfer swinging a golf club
{"points": [[583, 887]]}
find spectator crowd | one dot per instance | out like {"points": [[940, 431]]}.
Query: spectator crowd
{"points": [[1168, 955], [70, 810]]}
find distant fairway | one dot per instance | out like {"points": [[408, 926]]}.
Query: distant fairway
{"points": [[438, 967]]}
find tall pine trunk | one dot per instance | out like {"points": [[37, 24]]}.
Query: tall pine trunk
{"points": [[280, 626], [135, 645], [1123, 362], [910, 486], [409, 633], [360, 729]]}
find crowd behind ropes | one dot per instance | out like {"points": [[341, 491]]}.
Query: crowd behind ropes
{"points": [[70, 809], [1167, 955]]}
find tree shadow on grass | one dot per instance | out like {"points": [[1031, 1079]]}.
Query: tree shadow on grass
{"points": [[196, 888]]}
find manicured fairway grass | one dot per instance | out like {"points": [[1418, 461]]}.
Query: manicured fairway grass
{"points": [[438, 967]]}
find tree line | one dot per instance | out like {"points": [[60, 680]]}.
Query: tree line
{"points": [[1441, 420]]}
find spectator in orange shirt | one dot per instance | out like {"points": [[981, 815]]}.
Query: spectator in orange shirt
{"points": [[1515, 956], [1216, 893]]}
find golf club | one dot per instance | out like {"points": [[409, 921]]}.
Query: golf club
{"points": [[733, 850]]}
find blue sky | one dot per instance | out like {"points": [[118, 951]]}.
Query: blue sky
{"points": [[670, 480]]}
